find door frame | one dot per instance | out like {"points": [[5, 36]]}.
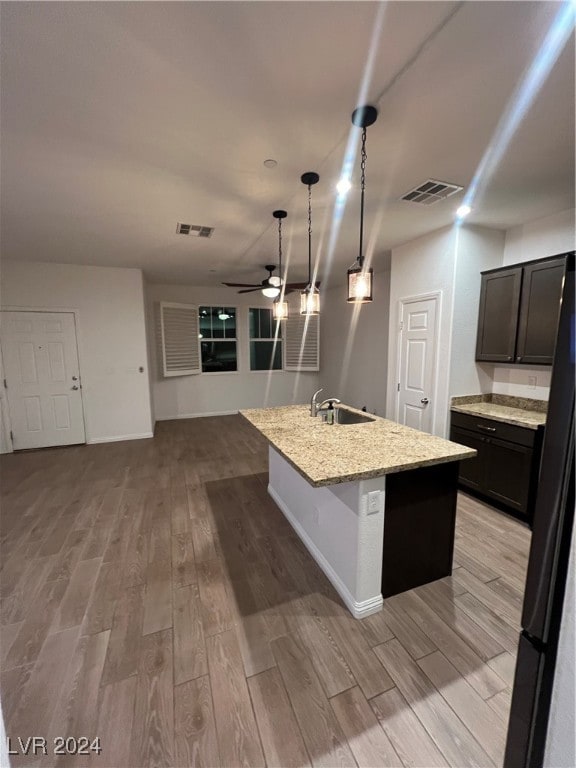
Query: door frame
{"points": [[437, 297], [5, 421], [77, 326]]}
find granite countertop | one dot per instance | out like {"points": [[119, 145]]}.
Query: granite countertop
{"points": [[520, 412], [328, 454]]}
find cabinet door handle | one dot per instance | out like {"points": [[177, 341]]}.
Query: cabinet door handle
{"points": [[486, 429]]}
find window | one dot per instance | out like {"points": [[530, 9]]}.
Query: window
{"points": [[265, 341], [218, 342]]}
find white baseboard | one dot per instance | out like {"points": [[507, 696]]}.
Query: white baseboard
{"points": [[197, 415], [358, 609], [119, 438]]}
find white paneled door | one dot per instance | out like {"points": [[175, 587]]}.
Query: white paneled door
{"points": [[417, 358], [43, 379]]}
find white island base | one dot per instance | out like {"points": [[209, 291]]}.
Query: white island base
{"points": [[342, 527]]}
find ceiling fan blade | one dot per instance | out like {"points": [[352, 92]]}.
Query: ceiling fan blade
{"points": [[251, 290], [240, 285], [301, 286]]}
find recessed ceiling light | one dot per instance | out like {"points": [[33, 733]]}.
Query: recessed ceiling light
{"points": [[463, 211], [344, 186], [270, 163]]}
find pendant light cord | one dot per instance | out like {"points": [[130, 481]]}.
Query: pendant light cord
{"points": [[310, 235], [280, 247], [362, 187]]}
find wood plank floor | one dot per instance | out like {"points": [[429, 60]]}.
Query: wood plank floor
{"points": [[154, 596]]}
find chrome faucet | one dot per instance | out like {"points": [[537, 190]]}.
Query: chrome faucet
{"points": [[314, 403], [326, 403]]}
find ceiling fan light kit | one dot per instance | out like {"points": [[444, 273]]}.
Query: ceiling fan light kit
{"points": [[359, 278], [280, 307], [310, 296]]}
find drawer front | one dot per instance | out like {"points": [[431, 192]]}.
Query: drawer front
{"points": [[490, 428]]}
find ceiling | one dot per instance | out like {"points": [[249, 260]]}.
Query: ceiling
{"points": [[121, 119]]}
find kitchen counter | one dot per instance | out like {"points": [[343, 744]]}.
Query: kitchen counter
{"points": [[518, 411], [374, 503], [329, 454]]}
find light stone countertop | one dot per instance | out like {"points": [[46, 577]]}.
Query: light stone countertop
{"points": [[509, 415], [328, 454]]}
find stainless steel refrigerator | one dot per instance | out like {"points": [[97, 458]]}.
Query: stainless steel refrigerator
{"points": [[549, 554]]}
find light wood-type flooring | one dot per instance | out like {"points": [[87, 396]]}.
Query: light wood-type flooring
{"points": [[153, 595]]}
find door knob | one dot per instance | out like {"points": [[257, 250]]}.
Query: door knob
{"points": [[75, 386], [425, 401], [74, 378]]}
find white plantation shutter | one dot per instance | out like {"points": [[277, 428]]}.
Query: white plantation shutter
{"points": [[180, 341], [302, 343]]}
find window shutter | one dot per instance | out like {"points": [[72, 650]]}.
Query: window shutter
{"points": [[180, 341], [302, 343]]}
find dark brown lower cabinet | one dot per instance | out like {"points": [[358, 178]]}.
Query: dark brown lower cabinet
{"points": [[507, 465]]}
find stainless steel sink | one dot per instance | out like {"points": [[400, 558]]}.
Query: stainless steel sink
{"points": [[344, 416]]}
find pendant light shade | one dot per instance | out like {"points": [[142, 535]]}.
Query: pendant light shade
{"points": [[310, 300], [310, 296], [359, 277], [280, 310], [280, 307], [359, 284]]}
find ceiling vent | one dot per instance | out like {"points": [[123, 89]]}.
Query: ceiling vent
{"points": [[431, 191], [194, 229]]}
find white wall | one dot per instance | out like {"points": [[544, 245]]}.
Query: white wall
{"points": [[354, 349], [477, 249], [540, 238], [215, 393], [419, 267], [561, 737], [109, 307], [522, 381]]}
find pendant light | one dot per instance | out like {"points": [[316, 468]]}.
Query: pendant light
{"points": [[360, 278], [280, 307], [310, 296]]}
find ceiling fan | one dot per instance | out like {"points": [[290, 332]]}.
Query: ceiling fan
{"points": [[271, 282]]}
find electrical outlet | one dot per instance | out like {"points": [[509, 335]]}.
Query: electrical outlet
{"points": [[532, 381], [374, 502]]}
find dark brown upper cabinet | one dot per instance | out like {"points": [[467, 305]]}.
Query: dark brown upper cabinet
{"points": [[498, 317], [539, 311], [519, 309]]}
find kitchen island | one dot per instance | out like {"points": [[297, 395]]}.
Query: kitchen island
{"points": [[374, 503]]}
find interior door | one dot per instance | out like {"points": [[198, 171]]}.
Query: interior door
{"points": [[43, 379], [417, 363]]}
